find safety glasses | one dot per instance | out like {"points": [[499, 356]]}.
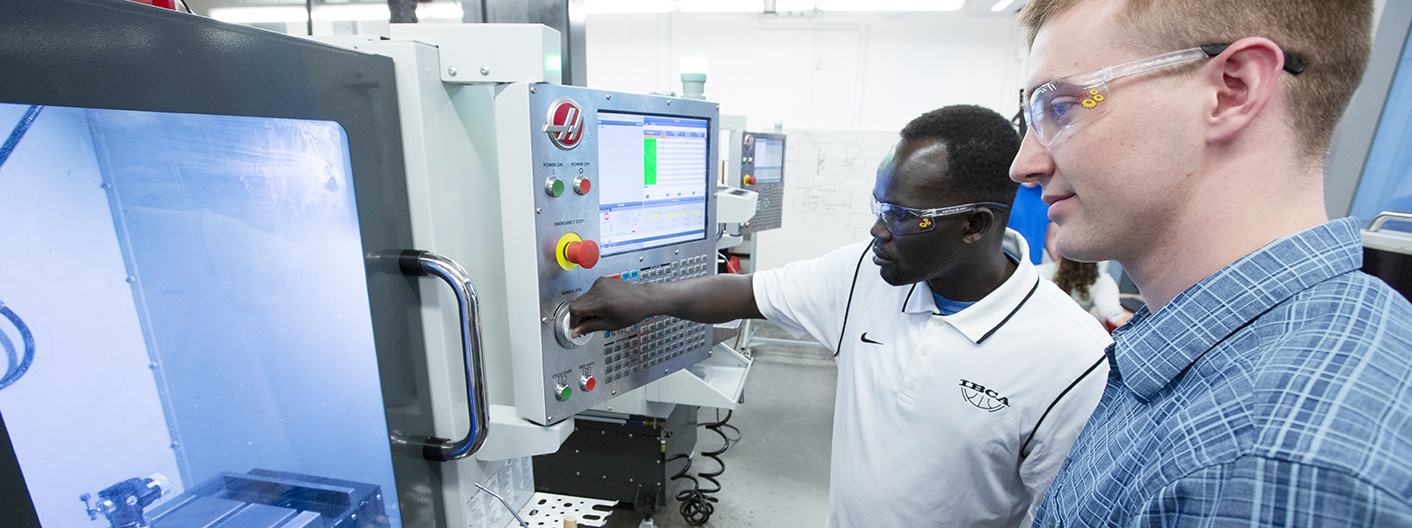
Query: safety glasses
{"points": [[905, 220], [1059, 104]]}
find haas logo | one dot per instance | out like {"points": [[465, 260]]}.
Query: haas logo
{"points": [[565, 123], [982, 397]]}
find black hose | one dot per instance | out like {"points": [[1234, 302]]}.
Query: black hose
{"points": [[697, 504], [16, 369]]}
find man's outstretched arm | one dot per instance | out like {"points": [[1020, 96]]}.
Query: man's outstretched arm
{"points": [[612, 303]]}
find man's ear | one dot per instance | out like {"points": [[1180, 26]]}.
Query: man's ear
{"points": [[978, 225], [1243, 79]]}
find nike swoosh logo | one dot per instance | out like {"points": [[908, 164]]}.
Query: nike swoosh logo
{"points": [[866, 340]]}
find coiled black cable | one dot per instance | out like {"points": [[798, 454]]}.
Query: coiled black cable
{"points": [[698, 504]]}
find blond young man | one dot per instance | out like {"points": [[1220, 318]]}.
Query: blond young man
{"points": [[1268, 381]]}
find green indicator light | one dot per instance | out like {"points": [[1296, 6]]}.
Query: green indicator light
{"points": [[649, 161], [553, 62]]}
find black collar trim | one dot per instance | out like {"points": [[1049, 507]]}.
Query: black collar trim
{"points": [[1012, 312], [997, 326]]}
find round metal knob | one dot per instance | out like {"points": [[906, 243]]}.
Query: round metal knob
{"points": [[563, 333]]}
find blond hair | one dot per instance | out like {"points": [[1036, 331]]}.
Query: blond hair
{"points": [[1334, 36]]}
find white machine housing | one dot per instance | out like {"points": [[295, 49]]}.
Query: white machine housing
{"points": [[478, 158]]}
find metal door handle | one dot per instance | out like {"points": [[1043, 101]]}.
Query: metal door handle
{"points": [[1383, 217], [422, 263]]}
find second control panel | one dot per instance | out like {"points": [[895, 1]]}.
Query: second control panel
{"points": [[762, 171]]}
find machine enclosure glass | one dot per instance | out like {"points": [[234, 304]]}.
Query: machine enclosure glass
{"points": [[200, 312]]}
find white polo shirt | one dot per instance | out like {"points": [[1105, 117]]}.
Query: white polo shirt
{"points": [[959, 420]]}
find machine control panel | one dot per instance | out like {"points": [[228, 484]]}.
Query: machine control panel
{"points": [[762, 171], [597, 184]]}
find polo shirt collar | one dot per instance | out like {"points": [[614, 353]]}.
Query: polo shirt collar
{"points": [[1154, 348], [991, 312]]}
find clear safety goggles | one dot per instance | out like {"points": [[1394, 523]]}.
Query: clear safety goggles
{"points": [[1059, 104], [901, 220]]}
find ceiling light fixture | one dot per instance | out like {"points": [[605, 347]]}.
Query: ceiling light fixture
{"points": [[330, 13], [891, 5], [759, 6]]}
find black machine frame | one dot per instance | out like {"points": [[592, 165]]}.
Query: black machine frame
{"points": [[117, 54]]}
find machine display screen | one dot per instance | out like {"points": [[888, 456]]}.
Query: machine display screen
{"points": [[769, 159], [653, 173]]}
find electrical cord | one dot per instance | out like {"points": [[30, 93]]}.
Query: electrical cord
{"points": [[698, 504], [18, 133], [17, 366]]}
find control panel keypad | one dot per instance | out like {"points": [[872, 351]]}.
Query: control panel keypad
{"points": [[656, 339]]}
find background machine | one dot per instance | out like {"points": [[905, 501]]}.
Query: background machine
{"points": [[762, 171]]}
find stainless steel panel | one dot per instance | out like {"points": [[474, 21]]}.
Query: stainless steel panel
{"points": [[648, 351]]}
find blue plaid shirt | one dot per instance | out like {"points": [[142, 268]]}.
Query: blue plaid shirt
{"points": [[1275, 392]]}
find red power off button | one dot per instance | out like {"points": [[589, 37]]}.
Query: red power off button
{"points": [[587, 383], [582, 185]]}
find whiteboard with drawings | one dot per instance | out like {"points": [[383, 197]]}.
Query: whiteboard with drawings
{"points": [[828, 176]]}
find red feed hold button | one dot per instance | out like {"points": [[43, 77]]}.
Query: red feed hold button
{"points": [[587, 383], [583, 253]]}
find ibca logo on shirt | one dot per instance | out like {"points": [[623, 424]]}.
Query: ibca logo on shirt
{"points": [[982, 397]]}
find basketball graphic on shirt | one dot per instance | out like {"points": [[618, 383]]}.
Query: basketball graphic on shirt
{"points": [[983, 398]]}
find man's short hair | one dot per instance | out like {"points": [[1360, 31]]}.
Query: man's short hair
{"points": [[980, 144], [1334, 36]]}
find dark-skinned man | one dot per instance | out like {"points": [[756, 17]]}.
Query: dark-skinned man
{"points": [[962, 377]]}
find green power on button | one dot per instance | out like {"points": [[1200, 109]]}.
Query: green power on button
{"points": [[554, 187]]}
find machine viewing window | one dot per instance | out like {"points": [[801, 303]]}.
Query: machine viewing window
{"points": [[654, 176], [175, 324], [769, 159]]}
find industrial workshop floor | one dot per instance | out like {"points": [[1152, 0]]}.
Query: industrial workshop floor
{"points": [[777, 475]]}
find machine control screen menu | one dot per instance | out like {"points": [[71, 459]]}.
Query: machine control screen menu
{"points": [[653, 174], [769, 159]]}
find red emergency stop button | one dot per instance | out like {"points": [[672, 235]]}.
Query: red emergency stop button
{"points": [[582, 185], [583, 253], [587, 383], [749, 180]]}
